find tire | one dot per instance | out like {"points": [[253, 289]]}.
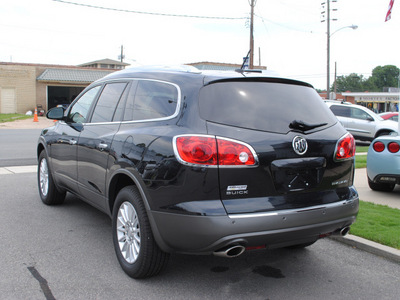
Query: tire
{"points": [[383, 132], [47, 189], [134, 243], [382, 187]]}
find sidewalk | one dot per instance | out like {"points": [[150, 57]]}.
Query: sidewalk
{"points": [[391, 199], [43, 122]]}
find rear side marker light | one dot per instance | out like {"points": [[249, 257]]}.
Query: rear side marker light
{"points": [[393, 147], [213, 151], [345, 147]]}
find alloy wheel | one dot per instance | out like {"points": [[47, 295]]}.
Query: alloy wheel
{"points": [[128, 232], [44, 177]]}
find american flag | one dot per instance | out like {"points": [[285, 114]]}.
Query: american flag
{"points": [[389, 13]]}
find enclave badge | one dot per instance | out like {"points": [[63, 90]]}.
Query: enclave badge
{"points": [[300, 145]]}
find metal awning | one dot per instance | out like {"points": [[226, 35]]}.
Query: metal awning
{"points": [[72, 75]]}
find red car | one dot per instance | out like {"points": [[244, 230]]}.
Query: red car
{"points": [[390, 116]]}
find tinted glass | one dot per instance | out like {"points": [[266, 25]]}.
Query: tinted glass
{"points": [[263, 106], [80, 110], [341, 111], [151, 100], [359, 114], [109, 98]]}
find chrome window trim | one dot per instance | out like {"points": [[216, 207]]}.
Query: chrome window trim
{"points": [[127, 80], [178, 103]]}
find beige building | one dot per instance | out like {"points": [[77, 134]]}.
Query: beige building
{"points": [[24, 87], [378, 102]]}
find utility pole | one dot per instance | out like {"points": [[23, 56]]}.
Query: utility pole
{"points": [[328, 47], [327, 13], [251, 64], [121, 57], [335, 85]]}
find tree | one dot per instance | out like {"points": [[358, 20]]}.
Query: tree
{"points": [[386, 76], [352, 82]]}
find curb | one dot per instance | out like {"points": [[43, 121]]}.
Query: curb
{"points": [[362, 153], [369, 246]]}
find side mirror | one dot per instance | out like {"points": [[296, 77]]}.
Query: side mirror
{"points": [[56, 113], [370, 119]]}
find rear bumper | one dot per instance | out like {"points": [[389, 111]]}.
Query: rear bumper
{"points": [[385, 165], [206, 234]]}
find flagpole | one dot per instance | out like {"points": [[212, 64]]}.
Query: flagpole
{"points": [[387, 18]]}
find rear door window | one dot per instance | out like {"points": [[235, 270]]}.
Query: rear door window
{"points": [[341, 111], [266, 106], [151, 100]]}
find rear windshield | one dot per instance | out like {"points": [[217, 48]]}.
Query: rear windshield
{"points": [[266, 106]]}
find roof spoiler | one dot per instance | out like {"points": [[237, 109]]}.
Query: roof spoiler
{"points": [[241, 71]]}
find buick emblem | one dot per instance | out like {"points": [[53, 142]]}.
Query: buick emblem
{"points": [[299, 145]]}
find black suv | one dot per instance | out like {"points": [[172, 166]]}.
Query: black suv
{"points": [[191, 162]]}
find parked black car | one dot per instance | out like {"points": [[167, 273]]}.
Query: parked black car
{"points": [[201, 163]]}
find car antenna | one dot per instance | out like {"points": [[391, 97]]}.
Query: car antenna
{"points": [[243, 70]]}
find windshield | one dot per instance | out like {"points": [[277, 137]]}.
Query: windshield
{"points": [[265, 106]]}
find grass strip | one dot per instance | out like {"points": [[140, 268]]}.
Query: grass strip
{"points": [[361, 149], [361, 161], [378, 223], [12, 117]]}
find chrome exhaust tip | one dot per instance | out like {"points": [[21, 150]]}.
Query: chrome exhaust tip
{"points": [[344, 231], [230, 251]]}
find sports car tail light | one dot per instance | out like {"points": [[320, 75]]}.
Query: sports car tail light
{"points": [[378, 146], [345, 147], [393, 147], [213, 151]]}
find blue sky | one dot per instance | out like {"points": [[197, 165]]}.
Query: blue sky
{"points": [[289, 34]]}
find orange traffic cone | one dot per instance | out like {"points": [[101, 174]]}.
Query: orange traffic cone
{"points": [[35, 118]]}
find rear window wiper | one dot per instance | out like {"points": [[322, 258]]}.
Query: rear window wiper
{"points": [[303, 126]]}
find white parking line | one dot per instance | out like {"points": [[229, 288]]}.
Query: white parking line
{"points": [[18, 170]]}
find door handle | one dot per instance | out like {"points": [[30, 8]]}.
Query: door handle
{"points": [[72, 142]]}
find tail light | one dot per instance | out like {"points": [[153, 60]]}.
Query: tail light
{"points": [[378, 146], [213, 151], [345, 147], [393, 147]]}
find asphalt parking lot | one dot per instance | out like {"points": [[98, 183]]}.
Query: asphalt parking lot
{"points": [[66, 252]]}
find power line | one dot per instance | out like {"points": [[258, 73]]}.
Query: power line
{"points": [[149, 13]]}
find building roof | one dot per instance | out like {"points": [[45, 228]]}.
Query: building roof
{"points": [[105, 61], [73, 75], [372, 94]]}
